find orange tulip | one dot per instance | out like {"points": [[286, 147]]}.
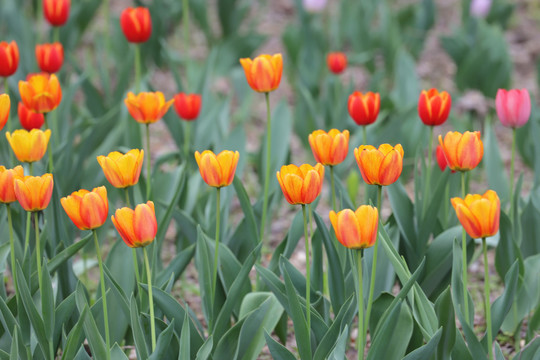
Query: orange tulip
{"points": [[29, 146], [479, 214], [122, 170], [301, 185], [87, 209], [7, 181], [337, 62], [434, 107], [56, 11], [364, 109], [5, 107], [381, 166], [356, 229], [9, 58], [50, 57], [329, 148], [217, 170], [263, 73], [34, 192], [147, 107], [187, 106], [137, 227], [462, 151], [41, 92], [29, 119]]}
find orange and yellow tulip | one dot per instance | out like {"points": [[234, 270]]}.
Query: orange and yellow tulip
{"points": [[217, 170], [122, 170], [34, 192], [329, 148], [263, 73], [9, 58], [50, 57], [462, 151], [364, 108], [434, 107], [479, 214], [380, 166], [29, 146], [7, 181], [137, 227], [301, 185], [5, 107], [87, 209], [41, 92], [147, 107], [356, 229]]}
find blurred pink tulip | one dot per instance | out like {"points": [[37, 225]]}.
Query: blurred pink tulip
{"points": [[513, 107], [480, 8], [314, 5]]}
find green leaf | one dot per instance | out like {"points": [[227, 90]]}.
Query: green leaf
{"points": [[426, 352], [278, 351], [205, 349], [64, 312], [184, 339], [75, 338], [14, 353], [497, 179], [99, 349], [136, 328], [203, 263], [341, 345], [507, 250], [447, 319], [47, 303], [117, 353], [163, 342], [531, 351], [176, 266]]}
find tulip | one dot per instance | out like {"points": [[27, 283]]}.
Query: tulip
{"points": [[50, 57], [29, 146], [314, 5], [364, 109], [263, 73], [34, 192], [462, 151], [30, 119], [122, 170], [41, 92], [434, 107], [441, 159], [136, 24], [147, 107], [356, 229], [87, 209], [380, 166], [56, 11], [9, 58], [301, 185], [480, 8], [217, 170], [513, 107], [479, 214], [329, 148], [5, 107], [187, 106], [337, 62], [7, 183]]}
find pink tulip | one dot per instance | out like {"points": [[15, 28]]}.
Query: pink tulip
{"points": [[480, 8], [513, 107]]}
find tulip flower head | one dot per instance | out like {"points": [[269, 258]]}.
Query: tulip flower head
{"points": [[356, 229], [263, 73], [217, 170], [29, 146], [441, 159], [187, 106], [56, 11], [122, 170], [9, 58], [479, 214], [314, 5], [380, 166], [434, 107], [138, 227], [50, 57], [337, 62], [147, 107], [513, 107], [462, 151], [34, 192], [329, 148], [87, 209], [480, 8], [41, 92], [364, 109], [136, 24], [5, 107], [301, 185], [7, 183], [29, 119]]}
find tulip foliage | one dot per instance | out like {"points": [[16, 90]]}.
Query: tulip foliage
{"points": [[170, 191]]}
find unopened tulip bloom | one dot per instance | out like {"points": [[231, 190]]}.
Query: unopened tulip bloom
{"points": [[217, 170], [263, 73], [434, 107], [41, 93], [29, 146], [513, 107], [136, 24], [34, 192], [187, 106], [329, 148], [87, 209], [147, 107], [56, 11], [50, 57], [9, 58], [337, 62], [5, 107], [7, 183], [138, 227], [29, 119], [480, 8], [301, 185], [380, 166], [364, 109], [462, 151], [314, 5], [356, 229], [122, 170], [479, 214]]}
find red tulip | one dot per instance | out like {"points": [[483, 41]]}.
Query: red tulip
{"points": [[136, 24]]}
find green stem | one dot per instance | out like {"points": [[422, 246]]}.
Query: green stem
{"points": [[446, 202], [12, 249], [56, 33], [361, 329], [126, 193], [148, 166], [27, 235], [428, 172], [137, 69], [512, 164], [366, 187], [187, 138], [150, 299], [185, 20], [487, 300], [308, 270], [38, 251], [49, 150], [216, 251], [464, 258], [103, 294], [332, 185], [106, 25]]}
